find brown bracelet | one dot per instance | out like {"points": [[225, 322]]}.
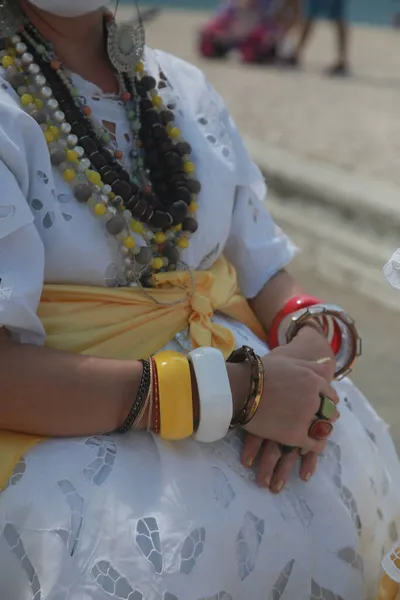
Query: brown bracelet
{"points": [[140, 400], [147, 404], [156, 400], [252, 403]]}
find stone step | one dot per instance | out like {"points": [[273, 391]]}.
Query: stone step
{"points": [[368, 205], [347, 226], [335, 249]]}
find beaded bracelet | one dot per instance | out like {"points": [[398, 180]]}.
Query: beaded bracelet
{"points": [[252, 403], [140, 400]]}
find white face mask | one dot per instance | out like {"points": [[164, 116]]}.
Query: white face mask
{"points": [[69, 8]]}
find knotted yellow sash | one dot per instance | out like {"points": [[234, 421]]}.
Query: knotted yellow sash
{"points": [[130, 323], [388, 588]]}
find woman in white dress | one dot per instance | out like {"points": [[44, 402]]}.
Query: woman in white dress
{"points": [[389, 584], [131, 516]]}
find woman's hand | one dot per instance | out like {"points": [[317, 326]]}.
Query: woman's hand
{"points": [[310, 344], [290, 401], [275, 467]]}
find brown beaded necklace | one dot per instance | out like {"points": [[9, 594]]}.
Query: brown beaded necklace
{"points": [[160, 202]]}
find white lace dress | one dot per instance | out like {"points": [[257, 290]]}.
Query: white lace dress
{"points": [[133, 518]]}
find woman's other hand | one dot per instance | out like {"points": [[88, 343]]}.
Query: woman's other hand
{"points": [[310, 344], [275, 466], [290, 401]]}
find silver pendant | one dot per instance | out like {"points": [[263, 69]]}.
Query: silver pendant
{"points": [[125, 45]]}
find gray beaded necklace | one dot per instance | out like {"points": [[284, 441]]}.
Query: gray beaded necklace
{"points": [[163, 243]]}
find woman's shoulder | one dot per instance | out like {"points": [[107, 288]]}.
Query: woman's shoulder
{"points": [[17, 127], [23, 149], [184, 79], [173, 66], [9, 103], [19, 132]]}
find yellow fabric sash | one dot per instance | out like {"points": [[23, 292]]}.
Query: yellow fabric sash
{"points": [[127, 323], [388, 588]]}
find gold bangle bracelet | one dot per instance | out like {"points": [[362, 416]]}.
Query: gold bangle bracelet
{"points": [[255, 403], [252, 403], [175, 392]]}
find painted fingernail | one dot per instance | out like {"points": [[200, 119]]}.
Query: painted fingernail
{"points": [[307, 476], [323, 361], [278, 487], [248, 463]]}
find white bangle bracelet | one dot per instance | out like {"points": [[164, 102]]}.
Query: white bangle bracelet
{"points": [[215, 396]]}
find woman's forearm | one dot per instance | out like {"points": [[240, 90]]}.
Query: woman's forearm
{"points": [[274, 295], [48, 392], [309, 344], [53, 393]]}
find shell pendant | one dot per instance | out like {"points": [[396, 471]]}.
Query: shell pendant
{"points": [[125, 45]]}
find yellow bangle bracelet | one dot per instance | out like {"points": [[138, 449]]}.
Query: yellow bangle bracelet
{"points": [[175, 393]]}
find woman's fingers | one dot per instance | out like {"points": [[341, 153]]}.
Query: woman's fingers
{"points": [[315, 446], [308, 465], [274, 467], [251, 448], [270, 455], [322, 425], [329, 391], [286, 464], [292, 398]]}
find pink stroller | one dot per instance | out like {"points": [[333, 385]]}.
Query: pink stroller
{"points": [[250, 29]]}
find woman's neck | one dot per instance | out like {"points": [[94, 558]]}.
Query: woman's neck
{"points": [[78, 42]]}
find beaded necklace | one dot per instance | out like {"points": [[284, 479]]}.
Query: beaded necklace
{"points": [[156, 200]]}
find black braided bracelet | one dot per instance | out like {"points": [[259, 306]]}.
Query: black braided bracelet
{"points": [[140, 399]]}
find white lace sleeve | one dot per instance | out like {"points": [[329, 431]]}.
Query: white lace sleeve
{"points": [[257, 247], [21, 248], [254, 244], [392, 270]]}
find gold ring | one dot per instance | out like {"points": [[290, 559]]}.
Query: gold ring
{"points": [[327, 408]]}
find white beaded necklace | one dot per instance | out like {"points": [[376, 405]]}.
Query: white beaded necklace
{"points": [[37, 98]]}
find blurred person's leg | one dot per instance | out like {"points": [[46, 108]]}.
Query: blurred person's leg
{"points": [[311, 12], [288, 21], [306, 32], [289, 15], [339, 17]]}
